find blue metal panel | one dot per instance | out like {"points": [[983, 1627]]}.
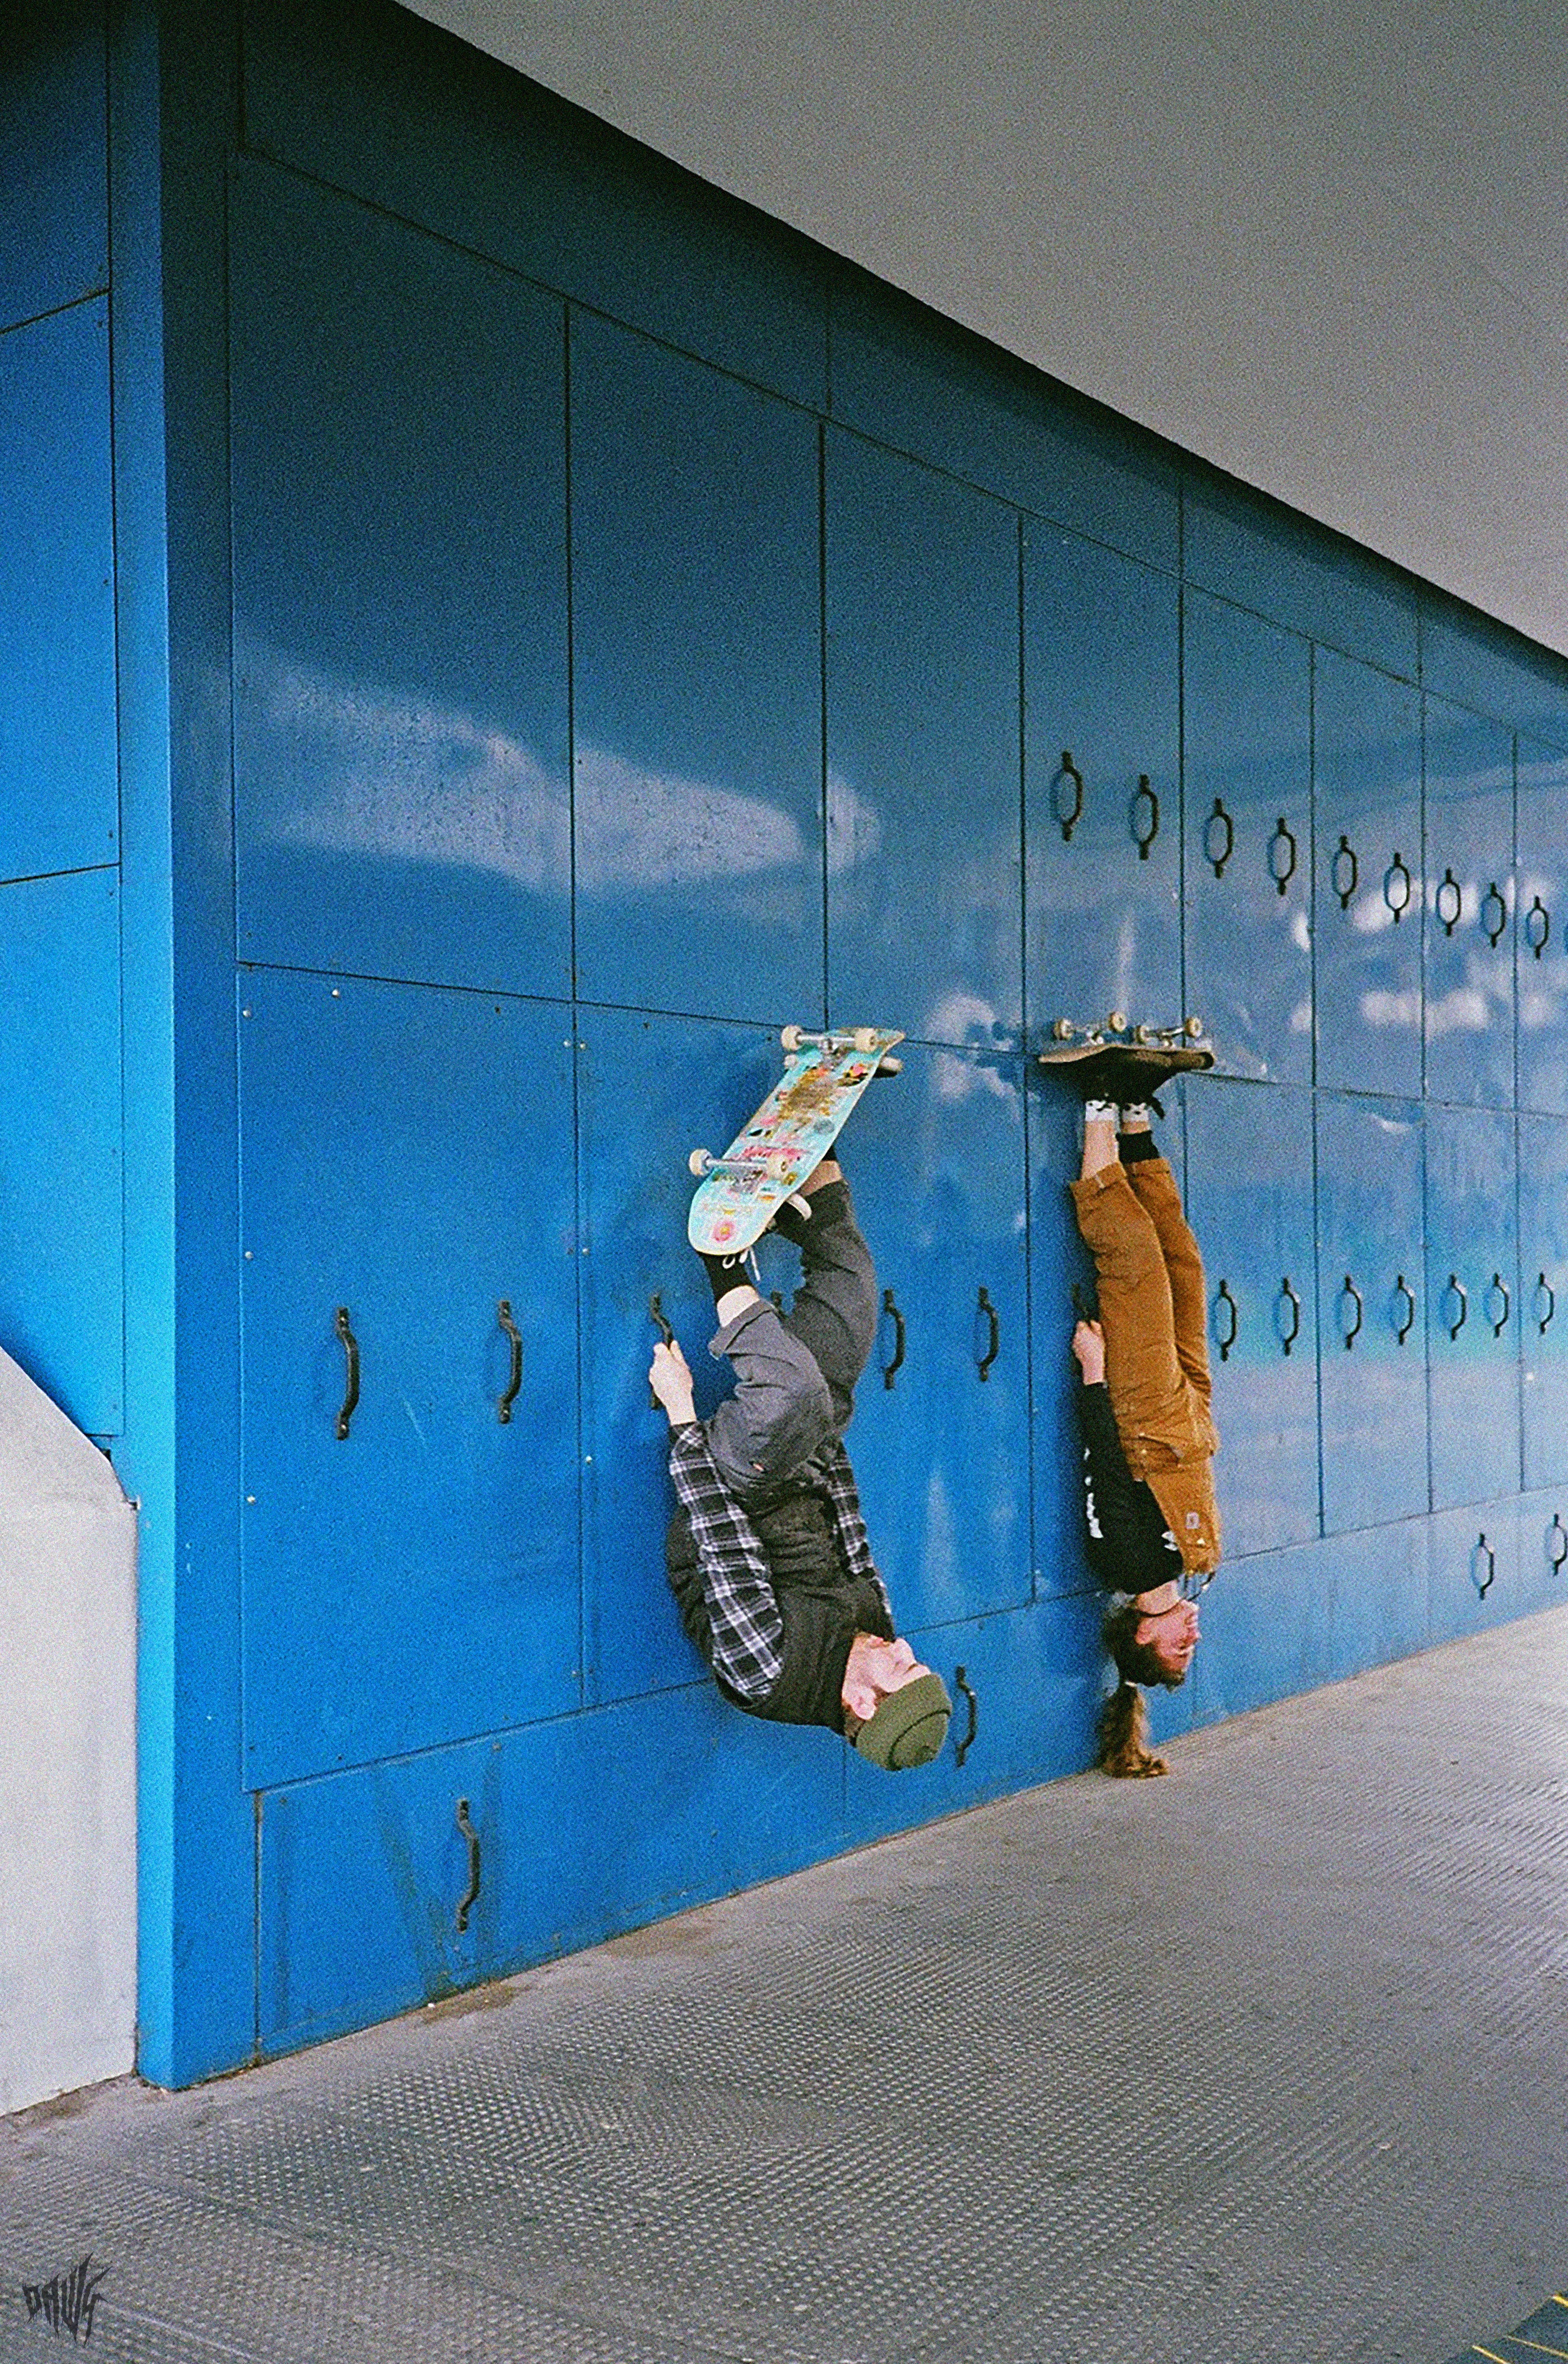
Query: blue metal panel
{"points": [[1248, 1198], [1286, 1620], [1493, 670], [1367, 890], [696, 685], [54, 229], [907, 377], [1371, 1317], [1057, 1258], [1541, 1521], [407, 1156], [1104, 851], [943, 1455], [400, 600], [421, 126], [1247, 800], [1473, 1563], [57, 655], [1473, 1305], [922, 751], [585, 1826], [1284, 566], [651, 1089], [1469, 999], [61, 1200], [1541, 936], [1543, 1296]]}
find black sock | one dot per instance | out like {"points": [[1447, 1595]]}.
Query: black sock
{"points": [[1131, 1146], [725, 1273]]}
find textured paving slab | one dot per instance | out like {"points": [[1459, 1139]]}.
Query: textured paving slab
{"points": [[1262, 2062]]}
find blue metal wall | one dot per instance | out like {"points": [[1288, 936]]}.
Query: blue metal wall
{"points": [[600, 628]]}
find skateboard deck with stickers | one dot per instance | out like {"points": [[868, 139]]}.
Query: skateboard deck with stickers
{"points": [[782, 1145]]}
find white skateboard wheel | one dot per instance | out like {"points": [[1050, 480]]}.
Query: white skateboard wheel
{"points": [[792, 1037], [864, 1038], [1194, 1029], [701, 1162], [1116, 1022], [1062, 1031]]}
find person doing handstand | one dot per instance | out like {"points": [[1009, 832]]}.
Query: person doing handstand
{"points": [[767, 1552], [1149, 1435]]}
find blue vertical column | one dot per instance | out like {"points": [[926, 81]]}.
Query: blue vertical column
{"points": [[1541, 937], [1370, 1318], [697, 686], [1473, 1299], [1367, 890], [924, 853], [1248, 1197], [1469, 998], [1102, 774], [1247, 796]]}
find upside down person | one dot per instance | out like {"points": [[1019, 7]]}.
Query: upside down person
{"points": [[1148, 1436], [767, 1552]]}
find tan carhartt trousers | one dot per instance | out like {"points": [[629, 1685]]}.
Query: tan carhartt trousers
{"points": [[1155, 1312]]}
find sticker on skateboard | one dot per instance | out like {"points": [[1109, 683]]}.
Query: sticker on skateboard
{"points": [[781, 1146]]}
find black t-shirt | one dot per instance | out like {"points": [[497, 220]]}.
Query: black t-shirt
{"points": [[1129, 1546]]}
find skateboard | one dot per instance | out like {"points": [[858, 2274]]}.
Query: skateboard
{"points": [[787, 1139], [1166, 1049]]}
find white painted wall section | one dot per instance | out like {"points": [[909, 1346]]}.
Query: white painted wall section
{"points": [[66, 1755], [1323, 246]]}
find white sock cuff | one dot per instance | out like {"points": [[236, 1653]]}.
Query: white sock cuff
{"points": [[1142, 1111], [1099, 1111]]}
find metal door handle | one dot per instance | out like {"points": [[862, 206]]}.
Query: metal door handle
{"points": [[1557, 1544], [1344, 867], [994, 1342], [1535, 938], [515, 1377], [1069, 771], [1222, 1297], [1543, 1288], [351, 1356], [1403, 1288], [1285, 837], [1492, 896], [1287, 1296], [470, 1893], [1353, 1293], [1456, 1288], [1144, 795], [1449, 885], [890, 1370], [962, 1683], [1398, 905], [1218, 860], [1500, 1289], [1483, 1550]]}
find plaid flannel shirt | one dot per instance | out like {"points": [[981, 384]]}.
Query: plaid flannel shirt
{"points": [[742, 1608]]}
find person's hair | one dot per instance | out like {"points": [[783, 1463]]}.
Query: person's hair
{"points": [[1124, 1736], [1124, 1719]]}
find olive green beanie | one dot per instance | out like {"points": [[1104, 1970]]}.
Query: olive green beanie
{"points": [[909, 1726]]}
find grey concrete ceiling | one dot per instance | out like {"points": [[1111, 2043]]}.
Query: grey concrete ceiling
{"points": [[1323, 246]]}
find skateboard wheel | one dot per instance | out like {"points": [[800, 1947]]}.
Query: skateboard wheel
{"points": [[1062, 1031], [792, 1037], [1143, 1034], [888, 1065], [701, 1162], [864, 1038], [1193, 1028], [1116, 1022]]}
